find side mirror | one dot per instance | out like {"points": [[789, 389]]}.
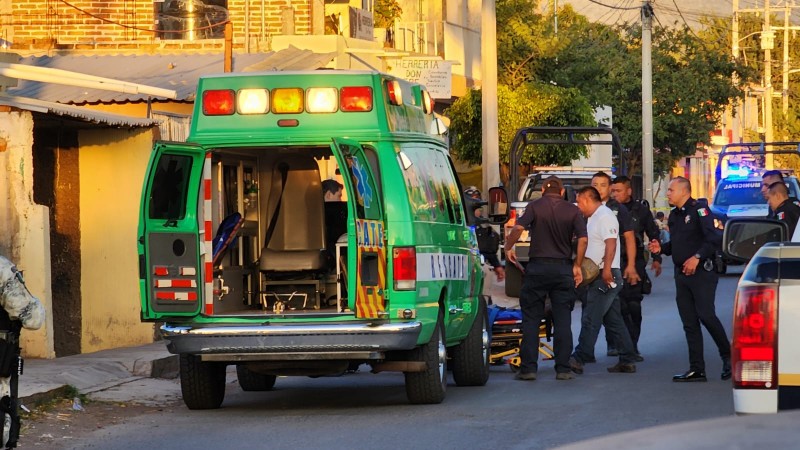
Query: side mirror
{"points": [[498, 206], [742, 238]]}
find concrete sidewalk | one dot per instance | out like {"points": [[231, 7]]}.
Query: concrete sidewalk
{"points": [[45, 379]]}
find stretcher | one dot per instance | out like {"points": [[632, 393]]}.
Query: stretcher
{"points": [[506, 336]]}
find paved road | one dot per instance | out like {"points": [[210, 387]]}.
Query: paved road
{"points": [[364, 410]]}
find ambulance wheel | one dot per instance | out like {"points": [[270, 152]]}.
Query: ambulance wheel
{"points": [[202, 383], [253, 381], [471, 358], [429, 386], [513, 281]]}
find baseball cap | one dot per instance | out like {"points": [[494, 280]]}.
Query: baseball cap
{"points": [[472, 191], [552, 184]]}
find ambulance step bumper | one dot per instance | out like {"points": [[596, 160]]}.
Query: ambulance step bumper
{"points": [[322, 338]]}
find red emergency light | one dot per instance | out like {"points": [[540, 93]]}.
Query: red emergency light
{"points": [[219, 102], [356, 98]]}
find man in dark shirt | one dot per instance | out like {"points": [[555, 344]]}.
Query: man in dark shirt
{"points": [[631, 295], [551, 271], [781, 207], [693, 243]]}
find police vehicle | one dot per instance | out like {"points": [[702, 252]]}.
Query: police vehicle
{"points": [[246, 265]]}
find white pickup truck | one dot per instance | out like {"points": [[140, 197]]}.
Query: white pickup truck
{"points": [[766, 316]]}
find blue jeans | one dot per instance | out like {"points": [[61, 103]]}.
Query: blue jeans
{"points": [[603, 308]]}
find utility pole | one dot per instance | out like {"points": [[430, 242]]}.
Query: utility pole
{"points": [[737, 122], [785, 90], [490, 158], [647, 101], [767, 44]]}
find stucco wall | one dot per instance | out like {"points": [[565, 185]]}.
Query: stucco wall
{"points": [[25, 226], [112, 167]]}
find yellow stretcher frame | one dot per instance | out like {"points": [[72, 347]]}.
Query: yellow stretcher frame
{"points": [[512, 355]]}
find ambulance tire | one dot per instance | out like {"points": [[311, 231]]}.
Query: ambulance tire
{"points": [[202, 382], [471, 357], [513, 280], [251, 381], [429, 387]]}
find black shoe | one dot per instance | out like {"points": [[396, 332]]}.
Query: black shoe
{"points": [[612, 352], [692, 375], [726, 369], [622, 368], [525, 376], [575, 365]]}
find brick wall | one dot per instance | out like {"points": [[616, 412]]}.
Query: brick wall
{"points": [[50, 24]]}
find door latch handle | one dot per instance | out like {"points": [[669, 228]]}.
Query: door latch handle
{"points": [[454, 310]]}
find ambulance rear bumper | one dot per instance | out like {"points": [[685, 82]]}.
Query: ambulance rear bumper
{"points": [[291, 339]]}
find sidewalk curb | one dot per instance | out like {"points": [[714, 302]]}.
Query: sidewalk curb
{"points": [[40, 398]]}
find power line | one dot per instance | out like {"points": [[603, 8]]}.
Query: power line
{"points": [[614, 7]]}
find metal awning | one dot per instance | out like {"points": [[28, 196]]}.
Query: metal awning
{"points": [[76, 112]]}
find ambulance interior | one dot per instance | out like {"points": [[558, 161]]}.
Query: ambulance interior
{"points": [[288, 254]]}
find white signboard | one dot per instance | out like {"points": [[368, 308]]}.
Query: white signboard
{"points": [[361, 26], [434, 74]]}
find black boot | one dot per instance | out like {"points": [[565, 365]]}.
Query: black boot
{"points": [[726, 369]]}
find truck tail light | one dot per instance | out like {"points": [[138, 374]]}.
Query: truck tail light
{"points": [[404, 263], [755, 343]]}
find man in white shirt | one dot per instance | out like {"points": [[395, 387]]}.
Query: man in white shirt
{"points": [[602, 304]]}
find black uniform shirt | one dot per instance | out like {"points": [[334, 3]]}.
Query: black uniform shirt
{"points": [[552, 222], [692, 231], [788, 212], [771, 213], [625, 224], [643, 222]]}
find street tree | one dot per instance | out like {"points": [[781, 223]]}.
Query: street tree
{"points": [[531, 104]]}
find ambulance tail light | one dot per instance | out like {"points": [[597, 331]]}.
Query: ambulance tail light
{"points": [[395, 94], [287, 100], [755, 344], [356, 99], [404, 263], [218, 102], [322, 100], [252, 101]]}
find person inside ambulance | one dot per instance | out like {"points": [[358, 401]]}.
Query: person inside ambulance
{"points": [[488, 238], [335, 221]]}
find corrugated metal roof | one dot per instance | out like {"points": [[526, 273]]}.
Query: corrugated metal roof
{"points": [[77, 112], [178, 72]]}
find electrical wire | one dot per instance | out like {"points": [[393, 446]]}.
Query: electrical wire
{"points": [[614, 7], [132, 27]]}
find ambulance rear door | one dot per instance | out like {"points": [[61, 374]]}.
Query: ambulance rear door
{"points": [[368, 280], [171, 240]]}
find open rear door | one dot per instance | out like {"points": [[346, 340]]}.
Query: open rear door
{"points": [[172, 248], [365, 205]]}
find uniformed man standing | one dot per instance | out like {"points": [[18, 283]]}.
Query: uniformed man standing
{"points": [[551, 271], [781, 207], [693, 243], [631, 295]]}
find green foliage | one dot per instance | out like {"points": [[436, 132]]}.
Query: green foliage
{"points": [[529, 105], [385, 12]]}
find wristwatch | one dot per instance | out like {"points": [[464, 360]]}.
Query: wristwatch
{"points": [[697, 255]]}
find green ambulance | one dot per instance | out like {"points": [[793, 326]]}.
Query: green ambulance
{"points": [[246, 264]]}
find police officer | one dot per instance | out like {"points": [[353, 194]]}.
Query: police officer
{"points": [[488, 238], [550, 272], [693, 244], [631, 295], [769, 178], [781, 207]]}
